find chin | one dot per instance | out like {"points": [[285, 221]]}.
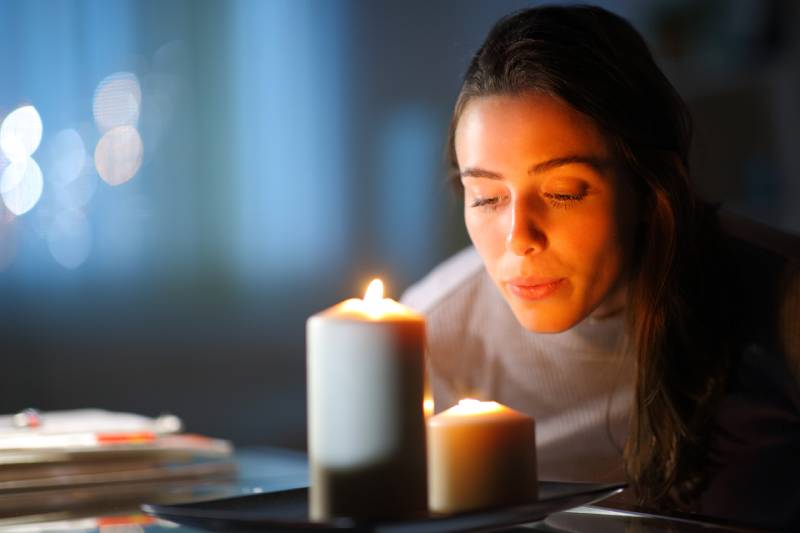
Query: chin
{"points": [[542, 321]]}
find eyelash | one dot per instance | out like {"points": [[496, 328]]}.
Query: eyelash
{"points": [[558, 200], [563, 201], [490, 203]]}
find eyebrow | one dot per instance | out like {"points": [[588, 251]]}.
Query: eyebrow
{"points": [[597, 163]]}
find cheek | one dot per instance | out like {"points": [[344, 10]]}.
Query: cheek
{"points": [[486, 233], [595, 247]]}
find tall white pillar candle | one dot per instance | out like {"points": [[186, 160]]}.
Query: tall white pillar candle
{"points": [[366, 430], [480, 455]]}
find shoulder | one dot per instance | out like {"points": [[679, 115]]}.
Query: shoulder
{"points": [[789, 312], [456, 299], [457, 279], [463, 313], [763, 280], [754, 448]]}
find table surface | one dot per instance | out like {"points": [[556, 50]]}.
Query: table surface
{"points": [[274, 469]]}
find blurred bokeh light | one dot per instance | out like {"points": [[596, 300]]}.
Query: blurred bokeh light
{"points": [[117, 101], [67, 156], [21, 185], [119, 154], [8, 241], [69, 238], [21, 133]]}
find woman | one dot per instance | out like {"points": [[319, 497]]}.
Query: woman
{"points": [[600, 295]]}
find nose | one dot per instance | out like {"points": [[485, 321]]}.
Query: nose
{"points": [[524, 236]]}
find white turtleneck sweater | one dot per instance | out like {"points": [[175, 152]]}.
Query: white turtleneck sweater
{"points": [[577, 384]]}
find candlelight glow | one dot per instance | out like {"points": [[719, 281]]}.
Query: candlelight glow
{"points": [[427, 407], [373, 299], [480, 455], [374, 306], [469, 406], [374, 292]]}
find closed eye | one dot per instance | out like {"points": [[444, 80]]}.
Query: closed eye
{"points": [[562, 199], [491, 201]]}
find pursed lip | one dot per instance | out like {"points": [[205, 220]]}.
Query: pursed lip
{"points": [[531, 281], [534, 287]]}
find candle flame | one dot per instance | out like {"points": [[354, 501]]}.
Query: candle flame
{"points": [[374, 306], [470, 406], [427, 407], [374, 292]]}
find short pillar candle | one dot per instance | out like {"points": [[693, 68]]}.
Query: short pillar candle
{"points": [[366, 429], [480, 455]]}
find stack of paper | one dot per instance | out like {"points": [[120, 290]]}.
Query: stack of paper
{"points": [[76, 457]]}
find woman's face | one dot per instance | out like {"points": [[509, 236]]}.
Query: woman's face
{"points": [[547, 209]]}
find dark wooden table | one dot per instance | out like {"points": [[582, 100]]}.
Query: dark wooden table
{"points": [[271, 470]]}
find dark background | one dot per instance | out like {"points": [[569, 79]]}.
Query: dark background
{"points": [[293, 150]]}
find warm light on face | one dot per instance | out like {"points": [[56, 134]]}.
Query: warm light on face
{"points": [[550, 215]]}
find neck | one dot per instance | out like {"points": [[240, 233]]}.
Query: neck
{"points": [[612, 305]]}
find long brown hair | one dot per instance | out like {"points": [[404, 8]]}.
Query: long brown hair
{"points": [[597, 63]]}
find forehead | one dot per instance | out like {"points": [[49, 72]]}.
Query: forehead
{"points": [[529, 126]]}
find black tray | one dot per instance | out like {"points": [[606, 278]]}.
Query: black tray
{"points": [[288, 511]]}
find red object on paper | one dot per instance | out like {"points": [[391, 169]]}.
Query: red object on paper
{"points": [[125, 438]]}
